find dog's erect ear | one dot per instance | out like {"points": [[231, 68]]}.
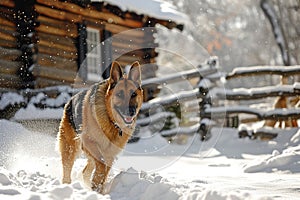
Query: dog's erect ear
{"points": [[115, 73], [135, 73]]}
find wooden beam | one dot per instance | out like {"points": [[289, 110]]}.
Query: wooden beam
{"points": [[54, 73], [127, 45], [50, 21], [56, 62], [154, 118], [61, 40], [55, 31], [276, 114], [171, 78], [9, 67], [124, 62], [8, 3], [115, 29], [170, 99], [258, 93], [55, 45], [57, 52], [89, 12], [7, 13], [128, 59], [57, 14], [9, 54], [57, 27], [180, 131], [7, 23], [97, 24], [262, 70], [8, 43], [125, 38], [10, 81], [124, 32], [136, 53], [7, 34], [46, 82]]}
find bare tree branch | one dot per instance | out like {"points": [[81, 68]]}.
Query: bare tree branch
{"points": [[278, 32]]}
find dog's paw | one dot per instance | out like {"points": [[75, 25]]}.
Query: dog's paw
{"points": [[98, 188], [66, 180]]}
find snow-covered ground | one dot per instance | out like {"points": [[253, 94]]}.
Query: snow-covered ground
{"points": [[225, 167]]}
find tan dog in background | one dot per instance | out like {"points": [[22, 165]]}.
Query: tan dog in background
{"points": [[99, 122]]}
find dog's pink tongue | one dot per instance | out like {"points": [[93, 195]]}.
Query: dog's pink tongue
{"points": [[128, 119]]}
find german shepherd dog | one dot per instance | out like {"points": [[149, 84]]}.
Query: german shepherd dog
{"points": [[99, 122]]}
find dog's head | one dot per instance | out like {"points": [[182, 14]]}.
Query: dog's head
{"points": [[124, 95]]}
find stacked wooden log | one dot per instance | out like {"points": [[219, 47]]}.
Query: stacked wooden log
{"points": [[9, 53], [56, 31]]}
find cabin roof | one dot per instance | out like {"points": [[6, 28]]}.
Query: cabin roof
{"points": [[158, 9]]}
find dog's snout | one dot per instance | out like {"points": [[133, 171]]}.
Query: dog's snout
{"points": [[132, 110], [128, 110]]}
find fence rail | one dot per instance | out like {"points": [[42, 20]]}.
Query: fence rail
{"points": [[276, 114], [207, 75], [258, 93], [260, 70], [283, 113], [193, 73]]}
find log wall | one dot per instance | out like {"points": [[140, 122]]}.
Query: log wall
{"points": [[56, 31], [58, 37], [9, 53]]}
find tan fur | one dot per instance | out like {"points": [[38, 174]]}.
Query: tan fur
{"points": [[281, 102], [100, 139]]}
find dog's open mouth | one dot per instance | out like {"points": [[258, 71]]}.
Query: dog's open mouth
{"points": [[126, 118]]}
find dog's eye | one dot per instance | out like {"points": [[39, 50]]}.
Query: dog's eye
{"points": [[120, 94], [134, 94]]}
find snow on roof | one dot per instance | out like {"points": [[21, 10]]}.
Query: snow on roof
{"points": [[153, 8]]}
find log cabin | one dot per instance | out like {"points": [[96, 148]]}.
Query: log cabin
{"points": [[52, 42]]}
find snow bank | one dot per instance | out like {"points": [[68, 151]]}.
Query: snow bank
{"points": [[141, 186], [23, 149], [23, 185], [288, 160], [32, 168], [126, 185], [53, 110], [10, 98], [31, 112], [34, 172]]}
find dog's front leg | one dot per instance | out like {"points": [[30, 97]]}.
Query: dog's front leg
{"points": [[100, 176]]}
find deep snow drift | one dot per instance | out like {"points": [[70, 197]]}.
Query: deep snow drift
{"points": [[225, 167]]}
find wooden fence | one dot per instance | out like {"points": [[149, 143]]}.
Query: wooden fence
{"points": [[229, 111], [204, 73], [207, 75], [285, 111], [214, 105]]}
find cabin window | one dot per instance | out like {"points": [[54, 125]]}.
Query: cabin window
{"points": [[93, 57]]}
